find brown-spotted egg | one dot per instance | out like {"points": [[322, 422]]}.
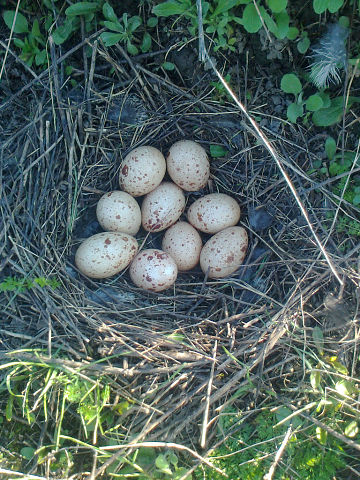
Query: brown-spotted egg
{"points": [[214, 212], [162, 207], [183, 242], [153, 270], [142, 170], [188, 165], [105, 254], [224, 252], [119, 212]]}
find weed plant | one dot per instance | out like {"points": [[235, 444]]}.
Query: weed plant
{"points": [[75, 415], [249, 450], [11, 284], [326, 415], [32, 42]]}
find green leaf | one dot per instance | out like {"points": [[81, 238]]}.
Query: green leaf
{"points": [[282, 20], [81, 8], [109, 13], [292, 33], [339, 367], [314, 103], [277, 6], [290, 83], [217, 151], [146, 43], [283, 412], [18, 43], [9, 408], [303, 45], [294, 111], [35, 30], [152, 22], [131, 48], [315, 380], [321, 435], [224, 6], [134, 23], [21, 24], [114, 26], [320, 6], [251, 20], [122, 407], [40, 58], [62, 33], [344, 387], [325, 97], [330, 147], [172, 7], [168, 65], [27, 452], [356, 200], [162, 464], [351, 429], [331, 115], [318, 338], [180, 474], [345, 21], [176, 337], [173, 459], [334, 5], [111, 39], [269, 21]]}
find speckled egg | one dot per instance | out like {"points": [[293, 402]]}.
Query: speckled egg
{"points": [[105, 254], [153, 270], [183, 242], [142, 170], [214, 212], [188, 165], [224, 252], [119, 212], [162, 207]]}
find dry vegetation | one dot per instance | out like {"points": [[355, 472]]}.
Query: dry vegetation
{"points": [[180, 357]]}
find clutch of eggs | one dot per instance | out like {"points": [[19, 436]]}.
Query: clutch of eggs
{"points": [[141, 174]]}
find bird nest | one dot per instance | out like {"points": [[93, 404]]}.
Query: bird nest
{"points": [[181, 355]]}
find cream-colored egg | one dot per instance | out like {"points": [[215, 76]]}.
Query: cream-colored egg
{"points": [[183, 242], [224, 252], [153, 270], [188, 165], [162, 207], [105, 254], [142, 170], [119, 212], [214, 212]]}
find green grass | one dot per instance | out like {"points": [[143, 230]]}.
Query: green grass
{"points": [[75, 415], [11, 284], [322, 413], [249, 451]]}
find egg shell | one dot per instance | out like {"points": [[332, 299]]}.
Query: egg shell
{"points": [[188, 165], [142, 170], [224, 252], [119, 212], [162, 207], [214, 212], [153, 270], [183, 242], [105, 254]]}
